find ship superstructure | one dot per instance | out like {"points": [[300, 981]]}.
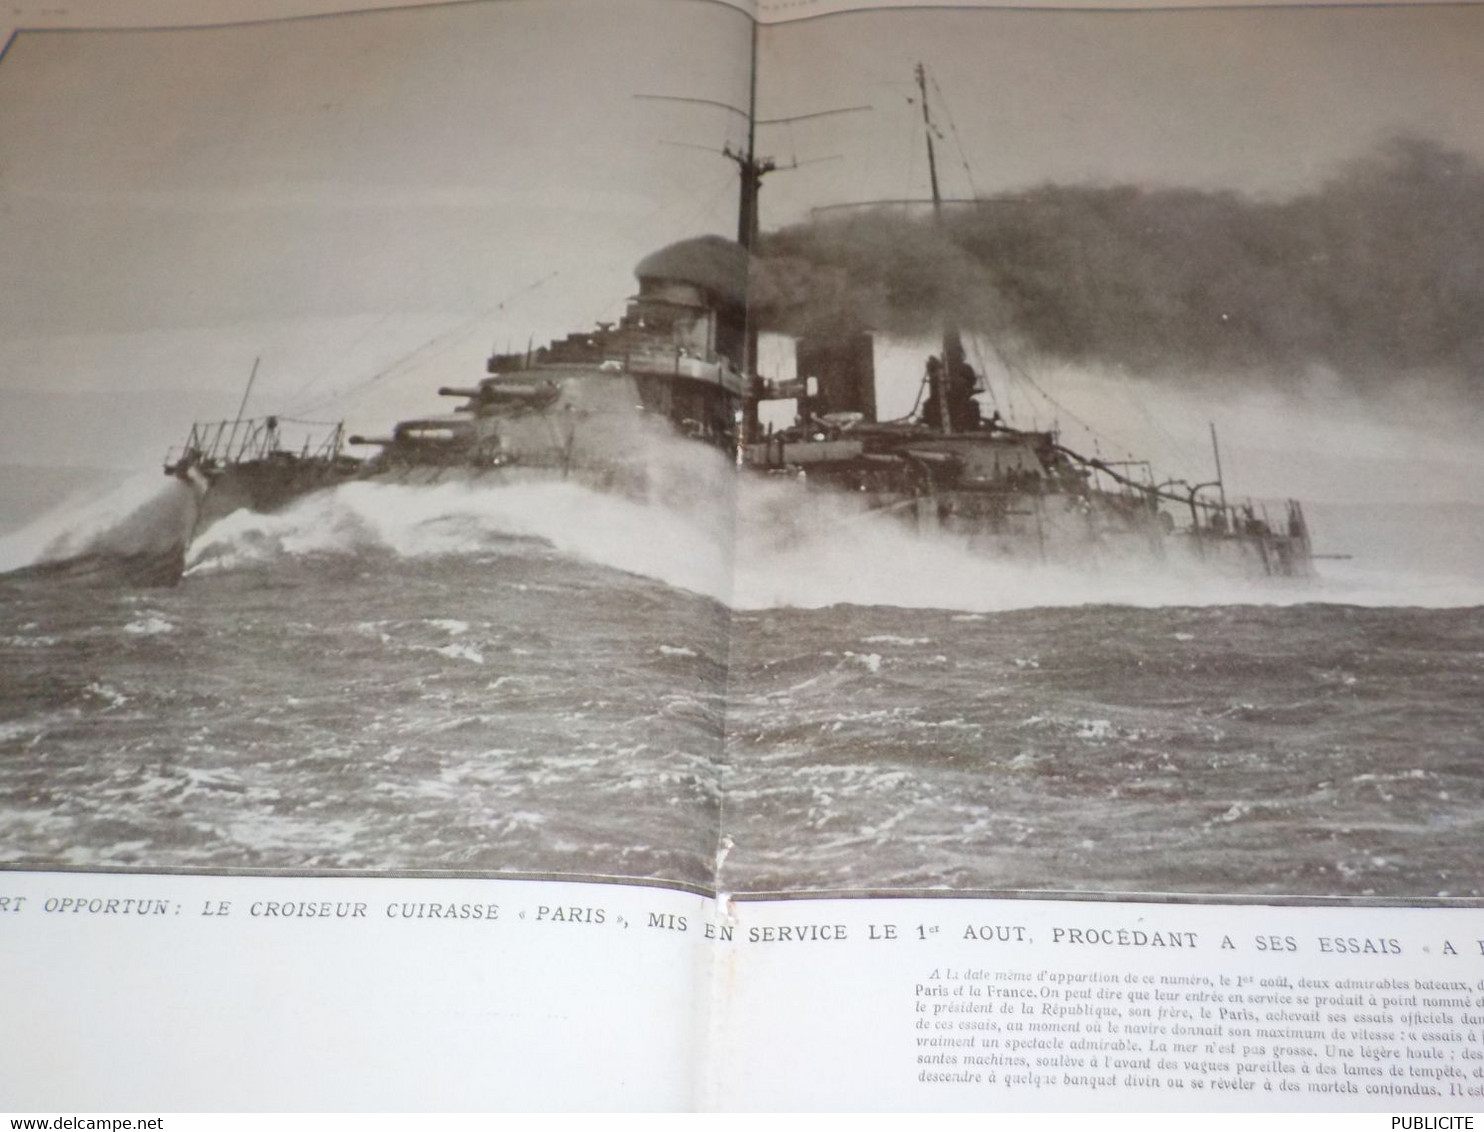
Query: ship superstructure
{"points": [[581, 405], [1011, 492], [682, 361]]}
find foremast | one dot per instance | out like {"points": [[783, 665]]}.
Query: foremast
{"points": [[943, 378]]}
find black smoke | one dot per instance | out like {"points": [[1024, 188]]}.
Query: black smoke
{"points": [[1377, 275]]}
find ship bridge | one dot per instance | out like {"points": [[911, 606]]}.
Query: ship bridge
{"points": [[687, 321], [682, 340]]}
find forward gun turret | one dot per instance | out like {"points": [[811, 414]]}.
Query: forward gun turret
{"points": [[498, 393]]}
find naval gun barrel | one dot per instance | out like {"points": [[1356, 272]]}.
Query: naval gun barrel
{"points": [[501, 391], [382, 441]]}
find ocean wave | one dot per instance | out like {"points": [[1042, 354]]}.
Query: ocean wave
{"points": [[751, 544]]}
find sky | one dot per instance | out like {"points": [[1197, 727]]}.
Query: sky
{"points": [[1264, 100], [331, 195], [371, 202]]}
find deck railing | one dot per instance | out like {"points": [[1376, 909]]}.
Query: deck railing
{"points": [[221, 443]]}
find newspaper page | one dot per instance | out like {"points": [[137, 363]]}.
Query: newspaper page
{"points": [[331, 784], [903, 557], [1192, 825], [1241, 243]]}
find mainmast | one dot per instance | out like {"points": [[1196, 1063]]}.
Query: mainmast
{"points": [[750, 172], [940, 383], [927, 126], [750, 169]]}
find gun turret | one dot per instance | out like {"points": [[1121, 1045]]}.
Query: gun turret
{"points": [[497, 393], [518, 391]]}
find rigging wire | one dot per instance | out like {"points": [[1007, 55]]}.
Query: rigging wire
{"points": [[1183, 449], [1012, 368], [416, 286], [708, 202], [913, 138], [976, 346], [1022, 374], [360, 387], [711, 191], [443, 339], [917, 404], [320, 370], [1098, 437], [398, 364], [963, 157]]}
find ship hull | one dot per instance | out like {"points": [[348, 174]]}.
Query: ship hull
{"points": [[1096, 530], [266, 492], [1022, 496], [1103, 529], [263, 486], [659, 408]]}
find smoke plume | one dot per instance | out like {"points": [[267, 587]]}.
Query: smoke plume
{"points": [[1376, 275]]}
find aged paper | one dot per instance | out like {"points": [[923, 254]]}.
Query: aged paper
{"points": [[1040, 571]]}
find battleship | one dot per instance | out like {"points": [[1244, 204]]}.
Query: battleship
{"points": [[585, 408], [683, 361]]}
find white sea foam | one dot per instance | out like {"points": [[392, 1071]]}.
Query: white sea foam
{"points": [[149, 627], [144, 513], [29, 642], [671, 546], [818, 551], [462, 652], [113, 696], [761, 543]]}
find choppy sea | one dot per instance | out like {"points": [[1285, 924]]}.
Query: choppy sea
{"points": [[539, 679]]}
